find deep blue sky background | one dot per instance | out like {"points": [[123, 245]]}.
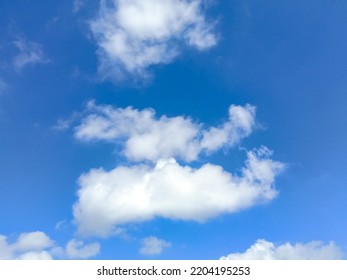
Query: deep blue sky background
{"points": [[288, 58]]}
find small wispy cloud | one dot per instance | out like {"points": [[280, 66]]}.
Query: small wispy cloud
{"points": [[265, 250], [76, 249], [77, 5], [153, 246], [134, 35], [66, 123], [29, 53]]}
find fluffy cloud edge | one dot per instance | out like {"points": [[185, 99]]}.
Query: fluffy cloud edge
{"points": [[153, 246], [138, 193], [77, 249], [265, 250], [38, 245], [133, 36], [144, 136]]}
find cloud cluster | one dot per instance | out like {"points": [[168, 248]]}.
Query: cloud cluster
{"points": [[33, 245], [264, 250], [39, 246], [147, 137], [137, 193], [76, 249], [29, 53], [133, 35], [153, 246]]}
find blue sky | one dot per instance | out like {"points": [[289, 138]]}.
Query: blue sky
{"points": [[173, 129]]}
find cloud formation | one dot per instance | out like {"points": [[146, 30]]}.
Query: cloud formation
{"points": [[153, 246], [131, 194], [265, 250], [32, 245], [29, 53], [76, 249], [133, 35], [147, 137], [39, 246]]}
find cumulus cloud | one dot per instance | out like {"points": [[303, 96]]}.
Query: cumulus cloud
{"points": [[39, 246], [107, 199], [76, 249], [32, 245], [30, 53], [147, 137], [133, 35], [43, 255], [153, 246], [265, 250]]}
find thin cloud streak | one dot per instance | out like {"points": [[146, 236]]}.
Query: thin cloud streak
{"points": [[29, 53]]}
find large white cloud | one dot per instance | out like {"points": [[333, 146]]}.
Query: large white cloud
{"points": [[265, 250], [153, 246], [132, 35], [128, 194], [39, 246], [147, 137]]}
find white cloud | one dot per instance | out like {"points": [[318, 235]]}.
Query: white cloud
{"points": [[133, 35], [264, 250], [153, 246], [138, 193], [43, 255], [32, 245], [76, 249], [39, 246], [30, 53], [147, 137], [240, 124], [33, 241], [63, 124]]}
